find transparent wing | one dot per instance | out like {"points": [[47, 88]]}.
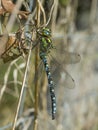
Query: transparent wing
{"points": [[58, 67], [58, 70], [62, 78], [49, 106], [65, 57]]}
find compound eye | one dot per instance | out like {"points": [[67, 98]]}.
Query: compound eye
{"points": [[47, 31]]}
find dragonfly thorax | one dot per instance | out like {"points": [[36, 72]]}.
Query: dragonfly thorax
{"points": [[45, 44]]}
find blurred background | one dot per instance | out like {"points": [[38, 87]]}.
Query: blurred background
{"points": [[74, 25]]}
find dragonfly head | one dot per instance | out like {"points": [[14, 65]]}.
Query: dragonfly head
{"points": [[45, 32]]}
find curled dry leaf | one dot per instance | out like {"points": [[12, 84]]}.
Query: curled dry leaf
{"points": [[8, 7]]}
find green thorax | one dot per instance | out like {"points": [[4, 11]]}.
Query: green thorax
{"points": [[45, 40], [45, 44]]}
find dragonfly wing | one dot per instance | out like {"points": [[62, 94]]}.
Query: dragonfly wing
{"points": [[62, 78], [66, 57], [67, 80], [58, 64], [71, 58], [49, 106]]}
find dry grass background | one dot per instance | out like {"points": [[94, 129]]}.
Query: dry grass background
{"points": [[74, 23]]}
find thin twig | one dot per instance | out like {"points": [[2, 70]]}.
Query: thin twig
{"points": [[42, 9], [56, 2], [26, 29], [6, 79], [22, 90], [50, 14], [36, 72]]}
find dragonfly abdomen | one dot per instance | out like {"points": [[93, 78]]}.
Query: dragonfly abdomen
{"points": [[50, 84]]}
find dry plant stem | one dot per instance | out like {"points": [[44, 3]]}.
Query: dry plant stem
{"points": [[0, 26], [22, 90], [50, 13], [42, 9], [54, 15], [6, 79], [36, 88], [44, 91], [36, 73], [27, 65]]}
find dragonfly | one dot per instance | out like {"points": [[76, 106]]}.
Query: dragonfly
{"points": [[15, 46], [46, 48]]}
